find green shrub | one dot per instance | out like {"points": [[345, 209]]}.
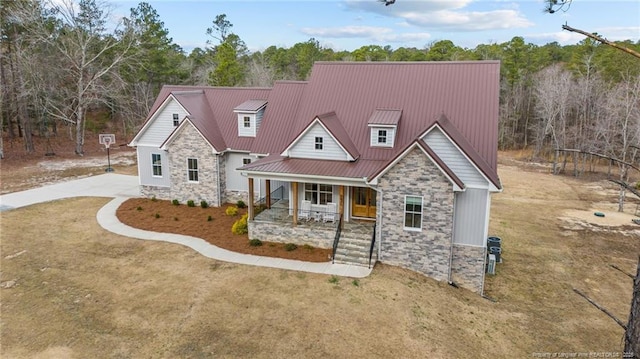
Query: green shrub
{"points": [[157, 215], [175, 202], [153, 199], [334, 279], [356, 283], [255, 242], [139, 208], [308, 247], [290, 247], [209, 219], [241, 204], [191, 203], [240, 226], [204, 204], [231, 211]]}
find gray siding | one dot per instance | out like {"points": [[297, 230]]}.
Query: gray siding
{"points": [[246, 131], [455, 159], [471, 217], [235, 181], [305, 147], [162, 124], [391, 136], [145, 170], [259, 116]]}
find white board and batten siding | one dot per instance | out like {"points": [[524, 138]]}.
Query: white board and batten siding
{"points": [[162, 124], [471, 217], [235, 181], [305, 147], [455, 159], [145, 167]]}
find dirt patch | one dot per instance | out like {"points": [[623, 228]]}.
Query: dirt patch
{"points": [[163, 216]]}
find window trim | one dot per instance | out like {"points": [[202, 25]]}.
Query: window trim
{"points": [[328, 194], [176, 119], [246, 161], [383, 137], [154, 165], [246, 121], [195, 170], [319, 143], [405, 212]]}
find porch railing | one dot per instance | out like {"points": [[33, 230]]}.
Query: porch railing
{"points": [[313, 217], [336, 240], [373, 244], [275, 196]]}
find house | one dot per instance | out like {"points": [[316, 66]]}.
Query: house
{"points": [[387, 161]]}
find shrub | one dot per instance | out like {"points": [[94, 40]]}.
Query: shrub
{"points": [[290, 247], [356, 283], [153, 199], [241, 204], [334, 279], [255, 242], [204, 204], [139, 208], [175, 202], [231, 211], [175, 218], [240, 226], [191, 203], [308, 247], [157, 215], [209, 219]]}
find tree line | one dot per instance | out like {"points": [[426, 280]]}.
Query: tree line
{"points": [[64, 67]]}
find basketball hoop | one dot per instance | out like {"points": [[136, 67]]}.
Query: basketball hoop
{"points": [[107, 139]]}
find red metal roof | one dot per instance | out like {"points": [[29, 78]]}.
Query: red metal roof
{"points": [[334, 125], [385, 117], [251, 105]]}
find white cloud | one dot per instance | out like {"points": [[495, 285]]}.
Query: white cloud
{"points": [[446, 15], [614, 33], [381, 34]]}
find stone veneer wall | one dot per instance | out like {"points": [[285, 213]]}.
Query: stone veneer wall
{"points": [[189, 144], [232, 196], [468, 267], [426, 251], [155, 191], [287, 233]]}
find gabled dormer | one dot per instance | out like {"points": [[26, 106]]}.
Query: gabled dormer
{"points": [[383, 126], [250, 115], [323, 139]]}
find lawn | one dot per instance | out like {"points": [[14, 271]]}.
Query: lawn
{"points": [[71, 289]]}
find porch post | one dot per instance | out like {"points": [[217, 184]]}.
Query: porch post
{"points": [[341, 210], [294, 186], [268, 189], [251, 199]]}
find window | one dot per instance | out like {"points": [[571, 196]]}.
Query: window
{"points": [[318, 193], [247, 122], [246, 161], [382, 136], [192, 169], [318, 143], [176, 119], [156, 164], [412, 212]]}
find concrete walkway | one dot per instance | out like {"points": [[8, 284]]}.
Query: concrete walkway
{"points": [[123, 187]]}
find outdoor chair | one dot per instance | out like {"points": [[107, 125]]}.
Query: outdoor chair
{"points": [[330, 214], [305, 211]]}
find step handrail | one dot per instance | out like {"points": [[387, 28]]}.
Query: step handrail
{"points": [[336, 239], [373, 243]]}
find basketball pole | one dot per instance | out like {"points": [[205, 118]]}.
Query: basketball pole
{"points": [[109, 169]]}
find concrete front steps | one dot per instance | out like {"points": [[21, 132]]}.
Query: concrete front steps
{"points": [[354, 249]]}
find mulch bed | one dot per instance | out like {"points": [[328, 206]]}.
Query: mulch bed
{"points": [[193, 221]]}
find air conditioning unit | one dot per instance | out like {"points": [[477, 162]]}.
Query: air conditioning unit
{"points": [[491, 266]]}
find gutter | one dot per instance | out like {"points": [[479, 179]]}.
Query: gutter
{"points": [[453, 228]]}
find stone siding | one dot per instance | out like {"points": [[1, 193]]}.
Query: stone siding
{"points": [[232, 196], [467, 267], [427, 251], [189, 144], [287, 233], [156, 191]]}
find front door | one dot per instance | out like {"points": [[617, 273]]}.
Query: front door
{"points": [[363, 202]]}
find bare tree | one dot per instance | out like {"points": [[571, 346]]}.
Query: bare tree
{"points": [[89, 57]]}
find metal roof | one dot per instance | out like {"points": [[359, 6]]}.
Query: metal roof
{"points": [[385, 117], [250, 105]]}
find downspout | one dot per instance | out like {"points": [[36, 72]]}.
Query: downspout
{"points": [[453, 229], [380, 226], [218, 180]]}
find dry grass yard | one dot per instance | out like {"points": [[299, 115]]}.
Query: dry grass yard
{"points": [[69, 289]]}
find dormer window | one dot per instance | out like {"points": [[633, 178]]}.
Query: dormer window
{"points": [[247, 122], [176, 119], [382, 137], [318, 143], [250, 115]]}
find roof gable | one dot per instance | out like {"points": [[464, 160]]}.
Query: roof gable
{"points": [[167, 101], [450, 145], [186, 122], [338, 145]]}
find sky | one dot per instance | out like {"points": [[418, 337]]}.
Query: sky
{"points": [[350, 24]]}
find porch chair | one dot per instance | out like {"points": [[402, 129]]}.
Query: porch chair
{"points": [[330, 214], [305, 210]]}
